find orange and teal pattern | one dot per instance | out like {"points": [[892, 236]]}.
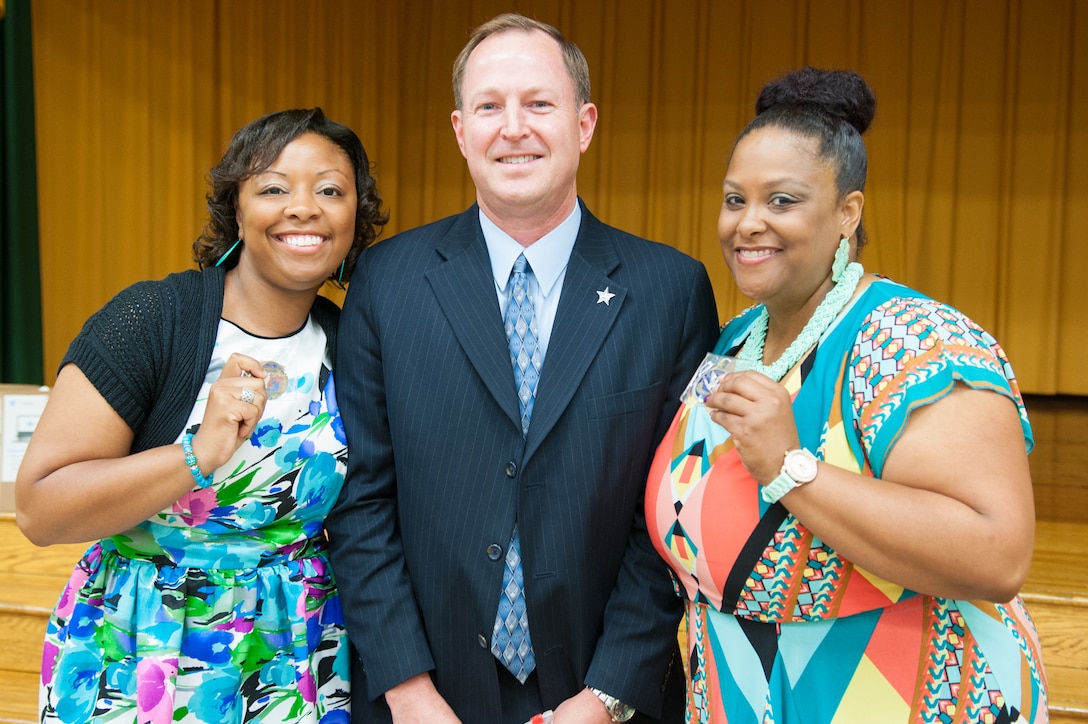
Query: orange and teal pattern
{"points": [[812, 638]]}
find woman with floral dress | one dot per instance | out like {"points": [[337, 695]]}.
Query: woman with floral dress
{"points": [[849, 514], [193, 434]]}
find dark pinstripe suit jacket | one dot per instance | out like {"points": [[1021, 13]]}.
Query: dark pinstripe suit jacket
{"points": [[438, 469]]}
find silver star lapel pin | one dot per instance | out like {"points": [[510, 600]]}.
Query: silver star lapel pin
{"points": [[604, 297]]}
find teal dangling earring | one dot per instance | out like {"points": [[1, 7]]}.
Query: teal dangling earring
{"points": [[340, 276], [842, 258], [228, 252]]}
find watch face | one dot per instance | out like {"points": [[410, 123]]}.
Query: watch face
{"points": [[801, 466]]}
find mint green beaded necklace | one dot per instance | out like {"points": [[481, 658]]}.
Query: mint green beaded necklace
{"points": [[750, 355]]}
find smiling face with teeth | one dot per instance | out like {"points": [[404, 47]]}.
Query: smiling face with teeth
{"points": [[781, 220], [297, 217], [522, 132]]}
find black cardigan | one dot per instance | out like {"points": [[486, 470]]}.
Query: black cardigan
{"points": [[148, 349]]}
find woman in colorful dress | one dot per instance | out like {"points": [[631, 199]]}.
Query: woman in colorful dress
{"points": [[849, 514], [193, 431]]}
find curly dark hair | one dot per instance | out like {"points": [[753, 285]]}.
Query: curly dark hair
{"points": [[835, 107], [254, 148]]}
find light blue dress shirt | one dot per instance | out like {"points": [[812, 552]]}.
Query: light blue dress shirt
{"points": [[547, 257]]}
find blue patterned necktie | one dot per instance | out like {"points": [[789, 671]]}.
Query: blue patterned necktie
{"points": [[510, 640], [522, 336]]}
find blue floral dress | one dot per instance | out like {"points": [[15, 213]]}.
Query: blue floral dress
{"points": [[221, 608]]}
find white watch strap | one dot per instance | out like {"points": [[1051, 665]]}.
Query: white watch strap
{"points": [[773, 491]]}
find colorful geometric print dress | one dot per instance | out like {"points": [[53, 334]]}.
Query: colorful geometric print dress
{"points": [[221, 608], [781, 629]]}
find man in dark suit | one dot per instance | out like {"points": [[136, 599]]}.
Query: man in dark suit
{"points": [[490, 542]]}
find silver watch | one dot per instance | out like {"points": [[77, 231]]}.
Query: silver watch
{"points": [[616, 708]]}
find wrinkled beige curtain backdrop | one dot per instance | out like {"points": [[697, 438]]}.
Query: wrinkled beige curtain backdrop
{"points": [[978, 156]]}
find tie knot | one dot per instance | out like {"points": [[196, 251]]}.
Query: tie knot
{"points": [[520, 265]]}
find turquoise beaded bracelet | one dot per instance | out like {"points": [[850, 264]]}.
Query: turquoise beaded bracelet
{"points": [[190, 460]]}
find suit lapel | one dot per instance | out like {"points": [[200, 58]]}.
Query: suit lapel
{"points": [[465, 291], [582, 324]]}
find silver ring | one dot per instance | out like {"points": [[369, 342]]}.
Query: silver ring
{"points": [[247, 395]]}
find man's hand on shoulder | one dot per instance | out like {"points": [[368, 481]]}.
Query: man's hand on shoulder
{"points": [[583, 708], [417, 701]]}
